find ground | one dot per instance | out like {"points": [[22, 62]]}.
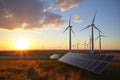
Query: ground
{"points": [[47, 69]]}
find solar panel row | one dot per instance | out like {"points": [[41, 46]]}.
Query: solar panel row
{"points": [[94, 63]]}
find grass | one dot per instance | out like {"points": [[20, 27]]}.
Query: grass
{"points": [[36, 70], [53, 69]]}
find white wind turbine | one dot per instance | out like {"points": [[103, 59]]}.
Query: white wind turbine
{"points": [[70, 30], [92, 32], [99, 36]]}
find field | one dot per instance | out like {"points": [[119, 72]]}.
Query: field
{"points": [[47, 69]]}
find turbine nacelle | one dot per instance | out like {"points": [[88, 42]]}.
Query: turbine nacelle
{"points": [[70, 26]]}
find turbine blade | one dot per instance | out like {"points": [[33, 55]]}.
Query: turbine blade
{"points": [[103, 36], [98, 29], [97, 38], [66, 29], [73, 32], [70, 20], [94, 18], [69, 24], [85, 28]]}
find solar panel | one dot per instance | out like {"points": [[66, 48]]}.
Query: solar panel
{"points": [[101, 57], [92, 65], [55, 56], [108, 58], [95, 63], [100, 68]]}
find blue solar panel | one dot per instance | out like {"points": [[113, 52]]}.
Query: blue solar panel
{"points": [[92, 65], [108, 58], [90, 56], [91, 62], [100, 68], [82, 63], [95, 57], [86, 63], [101, 57]]}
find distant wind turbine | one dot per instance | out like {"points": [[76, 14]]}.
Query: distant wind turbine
{"points": [[87, 44], [84, 44], [78, 45], [90, 42], [92, 32], [70, 30], [99, 36], [73, 47]]}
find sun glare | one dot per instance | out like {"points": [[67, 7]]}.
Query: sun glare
{"points": [[21, 44]]}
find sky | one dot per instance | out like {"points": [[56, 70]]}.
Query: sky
{"points": [[42, 22]]}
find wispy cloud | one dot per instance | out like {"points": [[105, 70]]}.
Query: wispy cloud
{"points": [[64, 5], [77, 19], [27, 14]]}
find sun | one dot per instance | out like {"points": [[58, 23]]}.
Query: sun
{"points": [[21, 44]]}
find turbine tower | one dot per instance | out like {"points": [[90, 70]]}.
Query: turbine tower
{"points": [[92, 25], [99, 36], [85, 45], [90, 42], [70, 30], [78, 45]]}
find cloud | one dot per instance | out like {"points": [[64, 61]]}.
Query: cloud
{"points": [[77, 19], [51, 19], [64, 5], [27, 14]]}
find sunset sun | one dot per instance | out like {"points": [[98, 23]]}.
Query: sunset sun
{"points": [[21, 44]]}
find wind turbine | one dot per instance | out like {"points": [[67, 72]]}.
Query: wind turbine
{"points": [[73, 47], [92, 25], [78, 45], [84, 44], [99, 36], [87, 44], [70, 30], [90, 42]]}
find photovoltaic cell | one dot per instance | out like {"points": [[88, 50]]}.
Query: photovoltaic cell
{"points": [[91, 62], [101, 57], [93, 65], [95, 57], [86, 63], [82, 63], [108, 58], [100, 67]]}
